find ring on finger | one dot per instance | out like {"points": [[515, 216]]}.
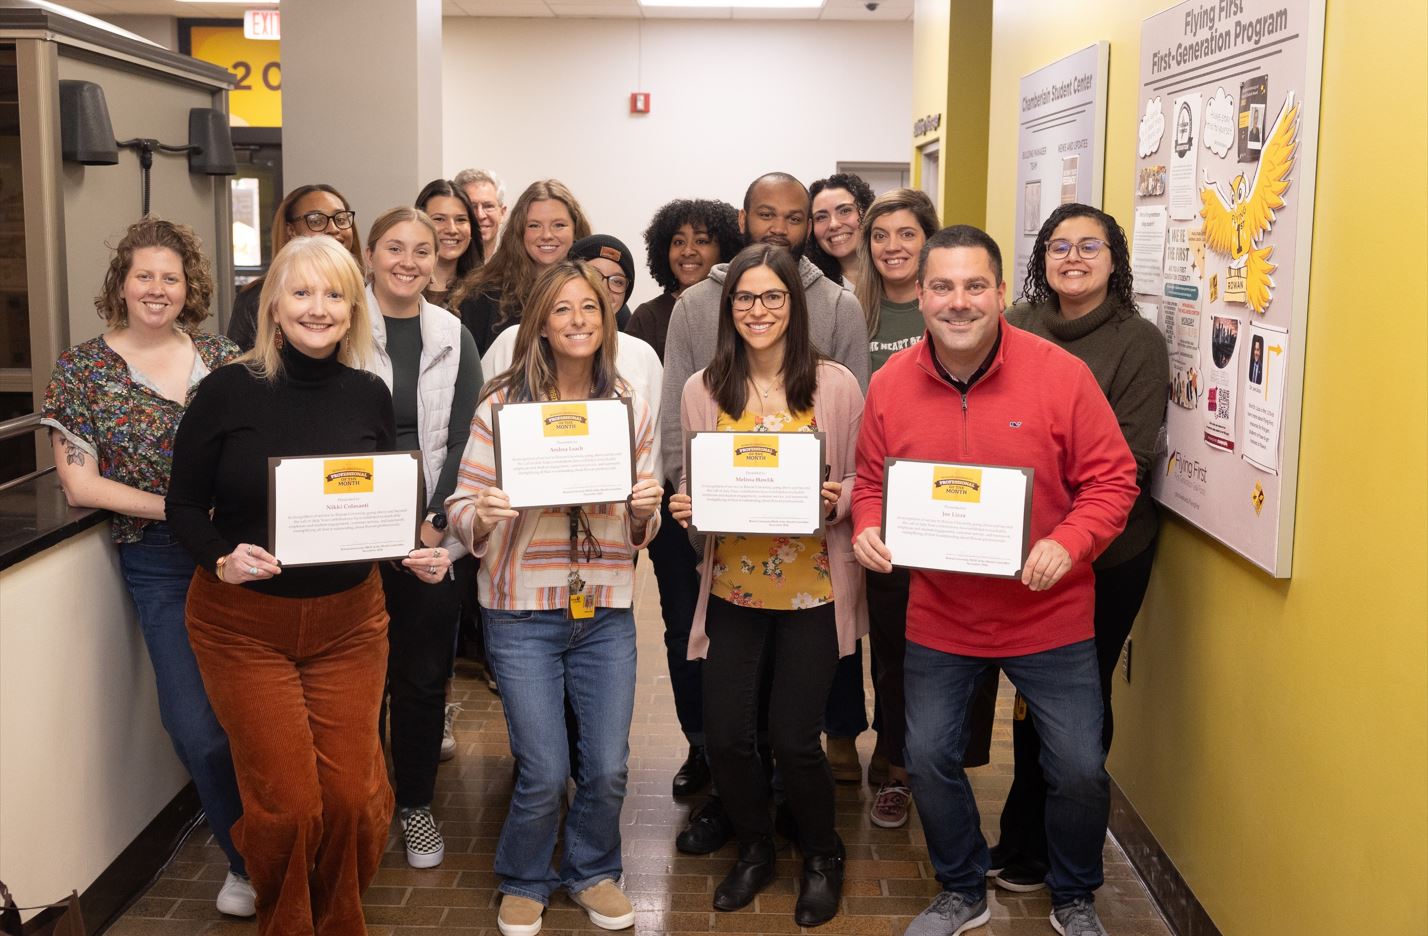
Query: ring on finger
{"points": [[252, 570]]}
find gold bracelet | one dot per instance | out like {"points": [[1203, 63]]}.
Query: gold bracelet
{"points": [[218, 567]]}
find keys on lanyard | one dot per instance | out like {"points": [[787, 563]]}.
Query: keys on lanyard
{"points": [[581, 602]]}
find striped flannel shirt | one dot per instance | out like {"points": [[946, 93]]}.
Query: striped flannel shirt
{"points": [[525, 562]]}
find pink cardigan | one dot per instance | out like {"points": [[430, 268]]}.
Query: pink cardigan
{"points": [[838, 409]]}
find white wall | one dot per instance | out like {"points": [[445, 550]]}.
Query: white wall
{"points": [[535, 99], [85, 764]]}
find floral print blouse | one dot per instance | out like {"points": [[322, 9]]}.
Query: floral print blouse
{"points": [[115, 415], [778, 573]]}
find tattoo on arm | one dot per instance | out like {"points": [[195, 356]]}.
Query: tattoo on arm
{"points": [[73, 454]]}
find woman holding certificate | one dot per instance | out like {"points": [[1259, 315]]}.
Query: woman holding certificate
{"points": [[293, 658], [556, 584], [1079, 295], [429, 362], [799, 598]]}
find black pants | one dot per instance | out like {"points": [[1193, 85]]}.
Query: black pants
{"points": [[1119, 593], [802, 648], [887, 635], [676, 569], [421, 639]]}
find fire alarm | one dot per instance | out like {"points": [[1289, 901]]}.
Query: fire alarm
{"points": [[640, 102]]}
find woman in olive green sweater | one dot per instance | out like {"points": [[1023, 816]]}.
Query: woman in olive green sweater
{"points": [[1078, 294]]}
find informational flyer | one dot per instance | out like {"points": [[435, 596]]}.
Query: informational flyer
{"points": [[564, 452], [1228, 111], [1264, 396], [1222, 391], [1184, 156], [330, 509], [1061, 142], [1148, 249]]}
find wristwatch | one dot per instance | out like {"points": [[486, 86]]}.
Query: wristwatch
{"points": [[437, 519]]}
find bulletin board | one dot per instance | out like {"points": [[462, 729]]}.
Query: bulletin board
{"points": [[1061, 142], [1223, 222]]}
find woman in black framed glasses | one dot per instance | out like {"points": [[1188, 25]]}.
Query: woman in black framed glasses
{"points": [[556, 587], [307, 211]]}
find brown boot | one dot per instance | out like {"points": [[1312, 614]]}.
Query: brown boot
{"points": [[843, 760]]}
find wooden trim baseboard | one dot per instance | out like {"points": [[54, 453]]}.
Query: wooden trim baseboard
{"points": [[1179, 905]]}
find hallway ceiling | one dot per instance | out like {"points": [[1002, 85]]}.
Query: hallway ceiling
{"points": [[568, 9]]}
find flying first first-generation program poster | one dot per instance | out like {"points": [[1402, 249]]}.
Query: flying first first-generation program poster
{"points": [[1226, 147]]}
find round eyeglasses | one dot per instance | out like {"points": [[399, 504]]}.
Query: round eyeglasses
{"points": [[1086, 249]]}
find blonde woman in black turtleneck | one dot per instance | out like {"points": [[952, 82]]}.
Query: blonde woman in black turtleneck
{"points": [[293, 659], [1078, 294]]}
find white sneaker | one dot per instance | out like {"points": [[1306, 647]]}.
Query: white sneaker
{"points": [[448, 738], [236, 897], [425, 846]]}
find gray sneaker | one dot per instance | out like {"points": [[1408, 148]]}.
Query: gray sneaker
{"points": [[949, 913], [1077, 918]]}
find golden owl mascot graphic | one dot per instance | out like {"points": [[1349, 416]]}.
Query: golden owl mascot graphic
{"points": [[1234, 225]]}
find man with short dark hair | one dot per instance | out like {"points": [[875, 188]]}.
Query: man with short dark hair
{"points": [[979, 391]]}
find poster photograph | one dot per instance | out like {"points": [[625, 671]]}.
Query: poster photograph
{"points": [[1061, 142], [1224, 188]]}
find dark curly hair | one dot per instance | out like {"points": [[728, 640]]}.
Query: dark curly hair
{"points": [[863, 197], [1037, 291], [720, 219], [197, 274]]}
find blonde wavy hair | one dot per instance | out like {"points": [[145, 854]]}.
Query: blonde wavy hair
{"points": [[311, 261]]}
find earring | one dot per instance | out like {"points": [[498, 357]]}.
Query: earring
{"points": [[278, 340]]}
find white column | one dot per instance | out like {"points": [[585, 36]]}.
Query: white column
{"points": [[362, 99]]}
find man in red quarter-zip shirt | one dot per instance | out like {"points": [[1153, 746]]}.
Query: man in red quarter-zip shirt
{"points": [[981, 391]]}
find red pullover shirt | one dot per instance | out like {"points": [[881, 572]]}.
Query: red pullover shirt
{"points": [[1036, 407]]}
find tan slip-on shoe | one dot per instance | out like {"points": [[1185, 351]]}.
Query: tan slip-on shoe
{"points": [[607, 905], [519, 916], [843, 760]]}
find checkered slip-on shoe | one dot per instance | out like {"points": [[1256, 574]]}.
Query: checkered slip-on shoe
{"points": [[425, 846]]}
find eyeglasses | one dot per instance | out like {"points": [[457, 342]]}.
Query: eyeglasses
{"points": [[617, 283], [771, 300], [1086, 249], [317, 221]]}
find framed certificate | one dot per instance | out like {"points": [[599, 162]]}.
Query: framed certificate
{"points": [[565, 452], [755, 482], [328, 509], [974, 519]]}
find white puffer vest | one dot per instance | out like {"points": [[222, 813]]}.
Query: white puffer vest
{"points": [[436, 386]]}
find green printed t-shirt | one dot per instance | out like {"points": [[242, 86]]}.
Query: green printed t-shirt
{"points": [[899, 326]]}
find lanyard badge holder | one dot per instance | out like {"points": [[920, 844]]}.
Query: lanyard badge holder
{"points": [[581, 603]]}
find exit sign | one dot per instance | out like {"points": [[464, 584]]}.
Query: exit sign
{"points": [[261, 24]]}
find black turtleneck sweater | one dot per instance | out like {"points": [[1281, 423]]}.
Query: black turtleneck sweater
{"points": [[236, 422]]}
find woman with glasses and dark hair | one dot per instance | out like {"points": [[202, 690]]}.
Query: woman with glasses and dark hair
{"points": [[545, 221], [838, 204], [610, 259], [307, 211], [458, 252], [1079, 295], [793, 603], [556, 588]]}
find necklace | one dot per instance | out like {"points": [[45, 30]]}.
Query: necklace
{"points": [[771, 388]]}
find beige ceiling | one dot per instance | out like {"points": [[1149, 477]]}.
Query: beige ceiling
{"points": [[832, 9]]}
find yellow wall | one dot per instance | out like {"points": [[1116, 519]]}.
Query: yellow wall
{"points": [[1275, 737], [951, 71]]}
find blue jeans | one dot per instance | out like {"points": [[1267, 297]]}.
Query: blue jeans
{"points": [[1063, 690], [157, 571], [541, 658]]}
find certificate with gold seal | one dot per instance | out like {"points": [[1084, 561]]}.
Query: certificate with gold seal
{"points": [[564, 452], [951, 517], [755, 482], [327, 509]]}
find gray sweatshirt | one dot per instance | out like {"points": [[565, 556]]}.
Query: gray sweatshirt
{"points": [[836, 324]]}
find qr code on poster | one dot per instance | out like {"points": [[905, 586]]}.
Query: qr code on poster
{"points": [[1222, 404]]}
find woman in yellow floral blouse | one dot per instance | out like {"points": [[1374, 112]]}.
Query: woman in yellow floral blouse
{"points": [[796, 601]]}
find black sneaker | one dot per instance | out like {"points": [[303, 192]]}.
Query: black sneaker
{"points": [[709, 829], [1001, 856], [1022, 876]]}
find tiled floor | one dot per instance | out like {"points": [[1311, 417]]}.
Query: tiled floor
{"points": [[889, 878]]}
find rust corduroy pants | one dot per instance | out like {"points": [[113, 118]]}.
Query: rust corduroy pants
{"points": [[296, 683]]}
